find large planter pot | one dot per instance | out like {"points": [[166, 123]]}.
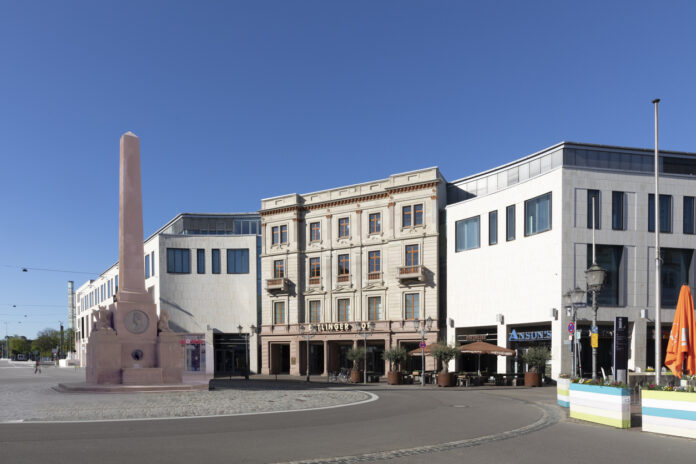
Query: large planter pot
{"points": [[532, 379], [602, 405], [563, 392], [394, 378], [445, 379], [356, 376], [669, 412]]}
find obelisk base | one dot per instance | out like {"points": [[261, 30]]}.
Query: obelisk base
{"points": [[142, 376], [103, 358], [170, 357]]}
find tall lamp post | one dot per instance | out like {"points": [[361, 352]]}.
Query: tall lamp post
{"points": [[366, 329], [247, 337], [423, 329], [575, 298], [308, 333], [595, 281]]}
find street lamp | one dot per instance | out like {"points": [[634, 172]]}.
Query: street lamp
{"points": [[366, 329], [246, 336], [595, 281], [308, 334], [574, 299], [428, 323]]}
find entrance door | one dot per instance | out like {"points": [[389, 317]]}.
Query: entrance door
{"points": [[316, 359]]}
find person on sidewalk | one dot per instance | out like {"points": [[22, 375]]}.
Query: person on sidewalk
{"points": [[37, 368]]}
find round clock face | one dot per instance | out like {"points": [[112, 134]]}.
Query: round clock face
{"points": [[137, 321]]}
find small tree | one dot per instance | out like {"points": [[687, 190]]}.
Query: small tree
{"points": [[536, 358], [396, 356], [355, 354], [444, 353]]}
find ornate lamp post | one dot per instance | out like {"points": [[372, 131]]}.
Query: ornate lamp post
{"points": [[246, 336], [366, 329], [423, 329], [308, 333], [595, 281], [575, 298]]}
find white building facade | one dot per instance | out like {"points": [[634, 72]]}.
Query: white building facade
{"points": [[203, 269], [519, 237]]}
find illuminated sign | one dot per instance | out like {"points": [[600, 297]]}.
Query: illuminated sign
{"points": [[532, 336]]}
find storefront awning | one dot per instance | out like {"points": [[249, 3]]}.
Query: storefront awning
{"points": [[486, 348]]}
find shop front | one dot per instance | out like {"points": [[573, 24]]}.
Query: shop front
{"points": [[521, 338], [467, 362]]}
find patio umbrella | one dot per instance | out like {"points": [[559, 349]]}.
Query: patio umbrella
{"points": [[417, 351], [486, 348], [682, 338]]}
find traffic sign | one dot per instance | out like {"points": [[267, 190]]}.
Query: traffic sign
{"points": [[594, 341], [571, 327], [422, 344]]}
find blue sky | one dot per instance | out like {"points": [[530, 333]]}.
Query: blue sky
{"points": [[234, 102]]}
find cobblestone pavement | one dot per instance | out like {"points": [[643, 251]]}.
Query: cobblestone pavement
{"points": [[25, 396]]}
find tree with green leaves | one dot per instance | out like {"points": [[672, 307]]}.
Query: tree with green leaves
{"points": [[46, 340], [19, 345]]}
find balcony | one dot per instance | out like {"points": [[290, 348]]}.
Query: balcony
{"points": [[405, 273], [343, 278], [372, 276], [279, 285], [314, 281]]}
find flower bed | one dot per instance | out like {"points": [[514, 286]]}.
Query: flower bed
{"points": [[671, 411], [602, 404], [563, 392]]}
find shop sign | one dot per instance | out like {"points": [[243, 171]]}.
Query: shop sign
{"points": [[335, 327], [190, 341], [533, 336], [473, 337]]}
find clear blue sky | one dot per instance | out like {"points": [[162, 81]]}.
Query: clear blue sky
{"points": [[234, 102]]}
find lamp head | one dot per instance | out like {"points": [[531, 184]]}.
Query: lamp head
{"points": [[302, 329], [429, 323], [240, 328], [577, 295], [595, 276]]}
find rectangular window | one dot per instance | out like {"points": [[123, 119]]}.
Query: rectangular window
{"points": [[343, 265], [283, 234], [275, 235], [375, 223], [279, 312], [278, 269], [493, 227], [344, 227], [689, 215], [373, 260], [618, 200], [315, 311], [215, 258], [537, 215], [147, 266], [418, 215], [116, 284], [152, 264], [593, 202], [178, 261], [412, 302], [665, 213], [374, 308], [467, 234], [510, 223], [314, 267], [676, 264], [608, 257], [406, 216], [238, 261], [343, 310], [412, 255], [314, 232], [200, 260]]}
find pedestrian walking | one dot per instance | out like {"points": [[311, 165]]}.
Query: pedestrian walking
{"points": [[37, 368]]}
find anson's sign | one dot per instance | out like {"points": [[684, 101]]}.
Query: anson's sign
{"points": [[531, 336]]}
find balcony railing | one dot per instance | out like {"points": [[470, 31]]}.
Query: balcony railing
{"points": [[374, 275], [411, 273], [279, 284], [343, 278], [314, 281]]}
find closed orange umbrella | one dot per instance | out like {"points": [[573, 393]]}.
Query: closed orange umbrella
{"points": [[682, 338]]}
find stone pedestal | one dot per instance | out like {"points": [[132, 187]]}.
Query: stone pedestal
{"points": [[104, 358], [170, 357], [142, 376]]}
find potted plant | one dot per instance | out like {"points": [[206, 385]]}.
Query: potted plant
{"points": [[669, 410], [396, 356], [563, 390], [536, 358], [444, 353], [355, 354], [607, 403]]}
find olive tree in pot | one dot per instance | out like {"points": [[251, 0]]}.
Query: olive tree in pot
{"points": [[444, 353], [355, 354], [396, 356], [536, 359]]}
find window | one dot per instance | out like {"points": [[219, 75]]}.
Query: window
{"points": [[412, 255], [315, 311], [537, 215], [278, 269], [215, 258], [147, 266], [618, 200], [343, 310], [200, 260], [283, 234], [418, 215], [374, 308], [344, 227], [116, 282], [593, 204], [314, 232], [373, 261], [152, 263], [689, 215], [279, 312], [375, 223], [608, 257], [665, 213], [343, 265], [238, 261], [314, 267], [493, 227], [676, 264], [412, 306], [279, 234], [510, 223], [406, 216], [467, 234], [178, 260]]}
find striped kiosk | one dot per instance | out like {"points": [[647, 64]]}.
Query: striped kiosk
{"points": [[601, 404]]}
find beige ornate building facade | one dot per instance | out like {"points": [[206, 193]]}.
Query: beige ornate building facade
{"points": [[336, 260]]}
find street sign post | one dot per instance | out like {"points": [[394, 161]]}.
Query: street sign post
{"points": [[571, 328], [421, 345]]}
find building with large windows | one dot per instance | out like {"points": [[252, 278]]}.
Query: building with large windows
{"points": [[203, 269], [520, 235], [333, 261]]}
